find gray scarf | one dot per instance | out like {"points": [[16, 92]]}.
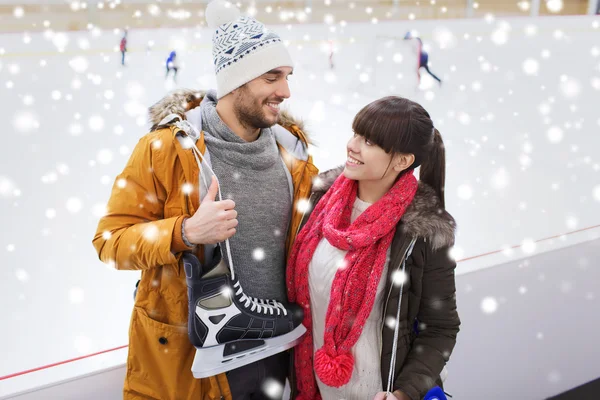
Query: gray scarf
{"points": [[254, 176]]}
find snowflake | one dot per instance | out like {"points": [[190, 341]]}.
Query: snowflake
{"points": [[456, 253], [75, 84], [489, 305], [531, 66], [500, 37], [555, 134], [528, 246], [7, 187], [544, 108], [25, 122], [134, 90], [79, 64], [522, 289], [50, 213], [465, 192], [554, 376], [151, 233], [104, 156], [272, 389], [76, 295], [572, 222], [524, 5], [554, 6], [18, 12], [75, 129], [596, 193], [390, 322], [22, 275], [399, 277], [74, 205], [187, 188], [60, 40], [258, 254], [500, 179], [96, 123], [569, 87], [99, 210], [83, 43]]}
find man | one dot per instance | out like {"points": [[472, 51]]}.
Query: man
{"points": [[159, 208]]}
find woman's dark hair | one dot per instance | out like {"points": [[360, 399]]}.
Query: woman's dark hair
{"points": [[399, 125]]}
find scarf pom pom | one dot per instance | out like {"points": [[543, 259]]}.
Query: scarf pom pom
{"points": [[334, 371]]}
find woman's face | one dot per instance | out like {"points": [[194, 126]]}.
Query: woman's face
{"points": [[366, 161]]}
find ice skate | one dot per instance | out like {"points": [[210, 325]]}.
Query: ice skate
{"points": [[230, 329]]}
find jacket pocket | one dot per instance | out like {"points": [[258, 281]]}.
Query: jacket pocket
{"points": [[159, 360]]}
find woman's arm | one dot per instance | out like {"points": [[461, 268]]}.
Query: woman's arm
{"points": [[439, 326]]}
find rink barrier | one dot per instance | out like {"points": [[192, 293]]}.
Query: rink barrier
{"points": [[29, 371]]}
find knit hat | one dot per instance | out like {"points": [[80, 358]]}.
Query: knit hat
{"points": [[243, 48]]}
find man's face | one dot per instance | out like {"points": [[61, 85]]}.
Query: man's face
{"points": [[256, 104]]}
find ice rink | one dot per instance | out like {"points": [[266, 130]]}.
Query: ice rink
{"points": [[518, 110]]}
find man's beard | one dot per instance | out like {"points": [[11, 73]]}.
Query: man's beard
{"points": [[249, 113]]}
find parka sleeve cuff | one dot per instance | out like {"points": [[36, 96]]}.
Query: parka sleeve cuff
{"points": [[177, 244]]}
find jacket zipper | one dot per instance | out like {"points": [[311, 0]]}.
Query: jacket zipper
{"points": [[387, 301]]}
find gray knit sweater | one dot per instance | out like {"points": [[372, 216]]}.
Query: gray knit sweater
{"points": [[254, 176]]}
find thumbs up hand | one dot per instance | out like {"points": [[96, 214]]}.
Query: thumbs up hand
{"points": [[214, 221]]}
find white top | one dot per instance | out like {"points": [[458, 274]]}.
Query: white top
{"points": [[366, 377]]}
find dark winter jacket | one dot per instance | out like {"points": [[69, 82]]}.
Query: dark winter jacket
{"points": [[429, 322]]}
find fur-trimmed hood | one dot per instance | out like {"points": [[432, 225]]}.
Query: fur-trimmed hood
{"points": [[424, 217], [180, 101]]}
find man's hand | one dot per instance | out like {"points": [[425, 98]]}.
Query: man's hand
{"points": [[214, 221]]}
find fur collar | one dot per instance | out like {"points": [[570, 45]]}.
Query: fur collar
{"points": [[181, 100], [424, 217]]}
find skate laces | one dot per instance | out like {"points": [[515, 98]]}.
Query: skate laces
{"points": [[259, 305]]}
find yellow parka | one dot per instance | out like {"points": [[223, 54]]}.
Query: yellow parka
{"points": [[142, 231]]}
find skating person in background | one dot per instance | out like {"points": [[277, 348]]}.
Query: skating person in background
{"points": [[331, 48], [380, 224], [123, 47], [171, 64], [165, 207], [423, 58]]}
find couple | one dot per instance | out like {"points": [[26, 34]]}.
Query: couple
{"points": [[368, 262]]}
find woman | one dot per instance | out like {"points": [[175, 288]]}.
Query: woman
{"points": [[373, 251]]}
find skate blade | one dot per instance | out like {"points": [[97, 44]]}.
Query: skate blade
{"points": [[210, 361]]}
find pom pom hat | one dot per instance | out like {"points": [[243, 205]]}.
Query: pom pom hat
{"points": [[243, 48]]}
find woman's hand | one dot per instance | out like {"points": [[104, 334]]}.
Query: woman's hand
{"points": [[397, 395]]}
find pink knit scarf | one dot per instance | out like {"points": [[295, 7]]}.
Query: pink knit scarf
{"points": [[354, 285]]}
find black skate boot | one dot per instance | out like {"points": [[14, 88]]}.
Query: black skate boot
{"points": [[230, 329]]}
